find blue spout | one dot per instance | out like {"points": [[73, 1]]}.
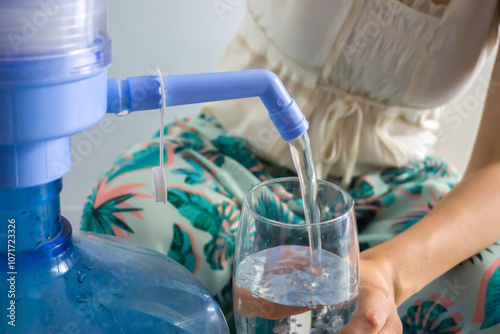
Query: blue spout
{"points": [[143, 93], [38, 118]]}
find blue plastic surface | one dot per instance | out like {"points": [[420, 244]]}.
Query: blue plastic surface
{"points": [[143, 93], [90, 283], [53, 70], [37, 121], [53, 80]]}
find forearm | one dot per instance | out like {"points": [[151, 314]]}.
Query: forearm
{"points": [[464, 223]]}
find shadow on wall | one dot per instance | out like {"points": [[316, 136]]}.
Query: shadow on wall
{"points": [[460, 119]]}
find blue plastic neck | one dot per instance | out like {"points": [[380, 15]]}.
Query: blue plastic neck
{"points": [[32, 214]]}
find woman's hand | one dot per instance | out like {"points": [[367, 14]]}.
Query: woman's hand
{"points": [[377, 310]]}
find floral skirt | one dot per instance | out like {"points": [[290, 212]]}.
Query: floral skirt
{"points": [[209, 171]]}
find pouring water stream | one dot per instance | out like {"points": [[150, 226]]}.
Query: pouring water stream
{"points": [[304, 165]]}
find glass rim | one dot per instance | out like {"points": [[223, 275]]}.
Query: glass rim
{"points": [[256, 216]]}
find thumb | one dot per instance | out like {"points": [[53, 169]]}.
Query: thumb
{"points": [[370, 317]]}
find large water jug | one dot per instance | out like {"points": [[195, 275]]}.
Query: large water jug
{"points": [[55, 283]]}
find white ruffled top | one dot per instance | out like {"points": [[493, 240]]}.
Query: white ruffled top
{"points": [[370, 75]]}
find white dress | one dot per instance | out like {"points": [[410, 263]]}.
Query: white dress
{"points": [[370, 75]]}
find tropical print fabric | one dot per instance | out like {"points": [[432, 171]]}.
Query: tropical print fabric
{"points": [[209, 171]]}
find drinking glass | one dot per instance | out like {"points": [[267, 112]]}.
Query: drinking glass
{"points": [[276, 287]]}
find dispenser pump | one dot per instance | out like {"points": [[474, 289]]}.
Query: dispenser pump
{"points": [[142, 93], [53, 71]]}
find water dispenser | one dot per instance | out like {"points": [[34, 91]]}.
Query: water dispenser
{"points": [[54, 57]]}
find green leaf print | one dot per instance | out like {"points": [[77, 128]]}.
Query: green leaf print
{"points": [[269, 205], [445, 325], [433, 317], [219, 220], [362, 190], [194, 176], [100, 219], [194, 141], [229, 216], [492, 302], [147, 157], [218, 250], [188, 140], [197, 209], [415, 189], [429, 168], [432, 311], [410, 218], [237, 149], [181, 249]]}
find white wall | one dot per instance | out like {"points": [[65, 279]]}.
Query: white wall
{"points": [[189, 36], [460, 120]]}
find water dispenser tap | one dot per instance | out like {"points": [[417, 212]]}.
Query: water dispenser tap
{"points": [[143, 93]]}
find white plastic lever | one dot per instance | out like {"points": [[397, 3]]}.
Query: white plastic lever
{"points": [[159, 182]]}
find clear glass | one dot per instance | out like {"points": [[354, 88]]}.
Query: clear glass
{"points": [[276, 290]]}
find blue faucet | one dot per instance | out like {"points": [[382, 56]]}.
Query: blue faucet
{"points": [[142, 93]]}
